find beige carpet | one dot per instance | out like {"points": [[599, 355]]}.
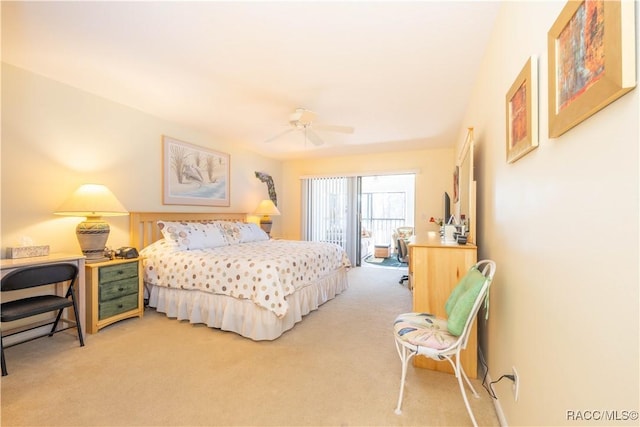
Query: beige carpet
{"points": [[338, 367]]}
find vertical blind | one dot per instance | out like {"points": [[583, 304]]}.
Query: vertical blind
{"points": [[330, 212]]}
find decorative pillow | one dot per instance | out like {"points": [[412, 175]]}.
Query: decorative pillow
{"points": [[461, 300], [230, 231], [251, 232], [460, 288], [192, 235]]}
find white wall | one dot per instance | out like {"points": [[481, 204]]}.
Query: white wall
{"points": [[562, 225], [55, 138]]}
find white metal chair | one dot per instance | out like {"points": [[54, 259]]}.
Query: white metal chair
{"points": [[443, 339]]}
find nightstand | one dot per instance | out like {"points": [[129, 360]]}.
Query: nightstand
{"points": [[114, 292]]}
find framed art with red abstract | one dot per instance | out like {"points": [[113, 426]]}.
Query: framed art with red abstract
{"points": [[522, 112], [591, 50]]}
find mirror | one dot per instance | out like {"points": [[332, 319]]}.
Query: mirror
{"points": [[467, 187]]}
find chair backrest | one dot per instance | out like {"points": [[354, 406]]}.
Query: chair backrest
{"points": [[403, 251], [488, 269], [404, 232], [30, 277]]}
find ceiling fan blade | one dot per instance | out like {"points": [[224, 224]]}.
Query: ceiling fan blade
{"points": [[334, 128], [313, 137], [273, 138]]}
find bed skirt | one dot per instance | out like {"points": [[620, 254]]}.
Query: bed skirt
{"points": [[244, 317]]}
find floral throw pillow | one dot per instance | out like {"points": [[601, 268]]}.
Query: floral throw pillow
{"points": [[192, 235], [230, 231]]}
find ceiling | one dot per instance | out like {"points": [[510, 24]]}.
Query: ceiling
{"points": [[400, 73]]}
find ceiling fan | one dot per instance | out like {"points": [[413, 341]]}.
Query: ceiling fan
{"points": [[303, 120]]}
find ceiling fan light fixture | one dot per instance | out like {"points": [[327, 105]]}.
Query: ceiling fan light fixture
{"points": [[303, 120], [302, 117]]}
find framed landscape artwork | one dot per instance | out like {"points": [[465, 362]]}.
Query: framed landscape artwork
{"points": [[591, 49], [194, 175], [522, 112]]}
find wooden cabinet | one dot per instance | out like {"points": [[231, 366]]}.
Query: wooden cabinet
{"points": [[435, 268], [114, 292]]}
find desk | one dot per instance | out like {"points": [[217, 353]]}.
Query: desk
{"points": [[435, 267], [7, 265]]}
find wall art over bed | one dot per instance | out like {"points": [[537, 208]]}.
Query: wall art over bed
{"points": [[194, 175], [591, 49]]}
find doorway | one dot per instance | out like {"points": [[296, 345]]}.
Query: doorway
{"points": [[358, 212]]}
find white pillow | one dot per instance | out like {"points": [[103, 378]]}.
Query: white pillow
{"points": [[192, 235], [251, 232], [215, 237], [258, 233]]}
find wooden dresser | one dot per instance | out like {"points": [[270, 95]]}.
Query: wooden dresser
{"points": [[435, 268]]}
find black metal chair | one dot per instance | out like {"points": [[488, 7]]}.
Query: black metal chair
{"points": [[31, 277], [403, 257]]}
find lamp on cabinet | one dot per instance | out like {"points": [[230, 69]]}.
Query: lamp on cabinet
{"points": [[267, 209], [92, 201]]}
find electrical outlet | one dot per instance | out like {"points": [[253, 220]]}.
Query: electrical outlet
{"points": [[515, 387]]}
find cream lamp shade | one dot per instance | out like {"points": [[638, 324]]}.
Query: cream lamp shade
{"points": [[266, 209], [92, 201]]}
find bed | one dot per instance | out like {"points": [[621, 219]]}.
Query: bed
{"points": [[226, 273]]}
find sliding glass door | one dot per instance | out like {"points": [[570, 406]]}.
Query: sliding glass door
{"points": [[331, 212], [341, 209]]}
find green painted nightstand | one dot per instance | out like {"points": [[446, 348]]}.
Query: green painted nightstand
{"points": [[114, 292]]}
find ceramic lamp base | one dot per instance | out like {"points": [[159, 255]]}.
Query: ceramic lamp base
{"points": [[92, 235]]}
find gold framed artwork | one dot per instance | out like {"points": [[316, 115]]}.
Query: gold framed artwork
{"points": [[591, 49], [522, 112], [194, 175]]}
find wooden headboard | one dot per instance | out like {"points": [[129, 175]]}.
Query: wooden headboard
{"points": [[144, 228]]}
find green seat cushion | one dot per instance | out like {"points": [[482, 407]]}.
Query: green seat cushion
{"points": [[461, 300]]}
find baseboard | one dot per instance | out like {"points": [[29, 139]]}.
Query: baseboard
{"points": [[496, 402]]}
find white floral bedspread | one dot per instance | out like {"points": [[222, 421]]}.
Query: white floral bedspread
{"points": [[264, 272]]}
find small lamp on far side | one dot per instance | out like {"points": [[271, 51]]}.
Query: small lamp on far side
{"points": [[266, 208], [92, 201]]}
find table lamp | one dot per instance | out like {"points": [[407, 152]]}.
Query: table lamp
{"points": [[266, 208], [92, 201]]}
